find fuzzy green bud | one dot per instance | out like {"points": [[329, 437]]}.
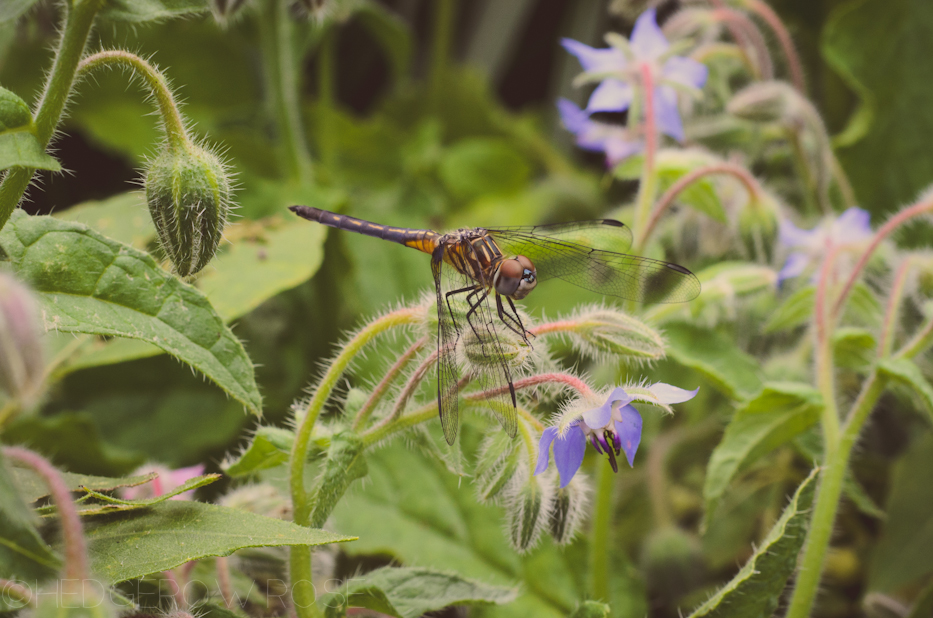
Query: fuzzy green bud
{"points": [[758, 224], [765, 102], [567, 513], [225, 11], [496, 464], [527, 511], [672, 561], [21, 366], [189, 193], [481, 354], [613, 332]]}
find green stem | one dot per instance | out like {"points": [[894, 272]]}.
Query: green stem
{"points": [[599, 534], [155, 81], [79, 18], [284, 87], [300, 560], [649, 177], [440, 48], [895, 296], [823, 352], [836, 462]]}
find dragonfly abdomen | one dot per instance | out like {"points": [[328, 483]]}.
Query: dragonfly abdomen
{"points": [[423, 240]]}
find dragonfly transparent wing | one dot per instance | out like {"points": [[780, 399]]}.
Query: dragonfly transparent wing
{"points": [[448, 371], [583, 253]]}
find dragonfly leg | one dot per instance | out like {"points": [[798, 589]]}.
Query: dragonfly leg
{"points": [[474, 307], [513, 321], [450, 310], [519, 318]]}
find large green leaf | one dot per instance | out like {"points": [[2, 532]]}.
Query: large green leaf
{"points": [[31, 486], [409, 592], [775, 416], [12, 9], [757, 587], [124, 217], [716, 356], [19, 146], [171, 533], [905, 372], [88, 283], [23, 554], [902, 555], [479, 166], [881, 49]]}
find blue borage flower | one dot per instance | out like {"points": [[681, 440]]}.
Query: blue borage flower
{"points": [[595, 136], [620, 66], [850, 231], [612, 428]]}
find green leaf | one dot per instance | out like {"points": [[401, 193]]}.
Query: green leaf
{"points": [[757, 587], [902, 555], [780, 412], [72, 440], [716, 356], [168, 534], [269, 448], [896, 114], [88, 283], [854, 348], [124, 217], [345, 463], [923, 605], [116, 504], [407, 592], [151, 10], [23, 554], [794, 311], [592, 609], [262, 261], [904, 371], [478, 166], [31, 486], [10, 10], [19, 146]]}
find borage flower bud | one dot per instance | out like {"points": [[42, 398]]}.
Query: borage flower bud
{"points": [[604, 330], [497, 463], [765, 102], [758, 224], [567, 513], [225, 11], [527, 510], [21, 366], [188, 190], [483, 354]]}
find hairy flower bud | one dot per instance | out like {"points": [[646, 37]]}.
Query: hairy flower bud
{"points": [[765, 102], [603, 330], [21, 365], [758, 225], [225, 11], [188, 190], [567, 513], [526, 512], [497, 463]]}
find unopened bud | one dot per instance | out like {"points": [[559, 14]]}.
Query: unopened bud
{"points": [[765, 102], [484, 354], [188, 190], [496, 464], [567, 513], [527, 512], [592, 609], [225, 11], [21, 366], [610, 331]]}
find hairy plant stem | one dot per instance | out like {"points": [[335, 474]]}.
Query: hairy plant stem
{"points": [[824, 324], [78, 20], [300, 559], [366, 411], [647, 186], [787, 43], [895, 297], [747, 35], [283, 86], [12, 591], [665, 201], [175, 130], [600, 531]]}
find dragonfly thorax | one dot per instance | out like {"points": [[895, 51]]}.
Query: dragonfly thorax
{"points": [[515, 277]]}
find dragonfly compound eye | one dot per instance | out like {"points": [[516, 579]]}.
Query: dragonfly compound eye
{"points": [[516, 277]]}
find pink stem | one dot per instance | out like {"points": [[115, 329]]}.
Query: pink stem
{"points": [[544, 378], [651, 134], [76, 565], [383, 386], [893, 223], [223, 581], [554, 327], [13, 590], [177, 591], [745, 32], [787, 43], [886, 340], [751, 185]]}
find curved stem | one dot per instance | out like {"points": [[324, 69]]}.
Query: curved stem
{"points": [[545, 378], [895, 296], [276, 29], [300, 558], [709, 51], [739, 172], [363, 415], [409, 390], [746, 33], [155, 81], [787, 43], [76, 563], [649, 177], [78, 20], [883, 232], [14, 591], [823, 351]]}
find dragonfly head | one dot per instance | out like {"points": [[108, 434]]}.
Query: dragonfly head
{"points": [[516, 277]]}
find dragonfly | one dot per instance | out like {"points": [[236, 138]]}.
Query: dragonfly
{"points": [[480, 272]]}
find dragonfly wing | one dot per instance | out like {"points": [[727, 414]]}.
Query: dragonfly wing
{"points": [[448, 372], [603, 234], [585, 262]]}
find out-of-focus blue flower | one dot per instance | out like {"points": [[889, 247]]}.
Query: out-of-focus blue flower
{"points": [[647, 45], [611, 428], [848, 231], [598, 136]]}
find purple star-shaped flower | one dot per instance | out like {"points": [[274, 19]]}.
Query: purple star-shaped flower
{"points": [[598, 136], [647, 45], [850, 229], [612, 428]]}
